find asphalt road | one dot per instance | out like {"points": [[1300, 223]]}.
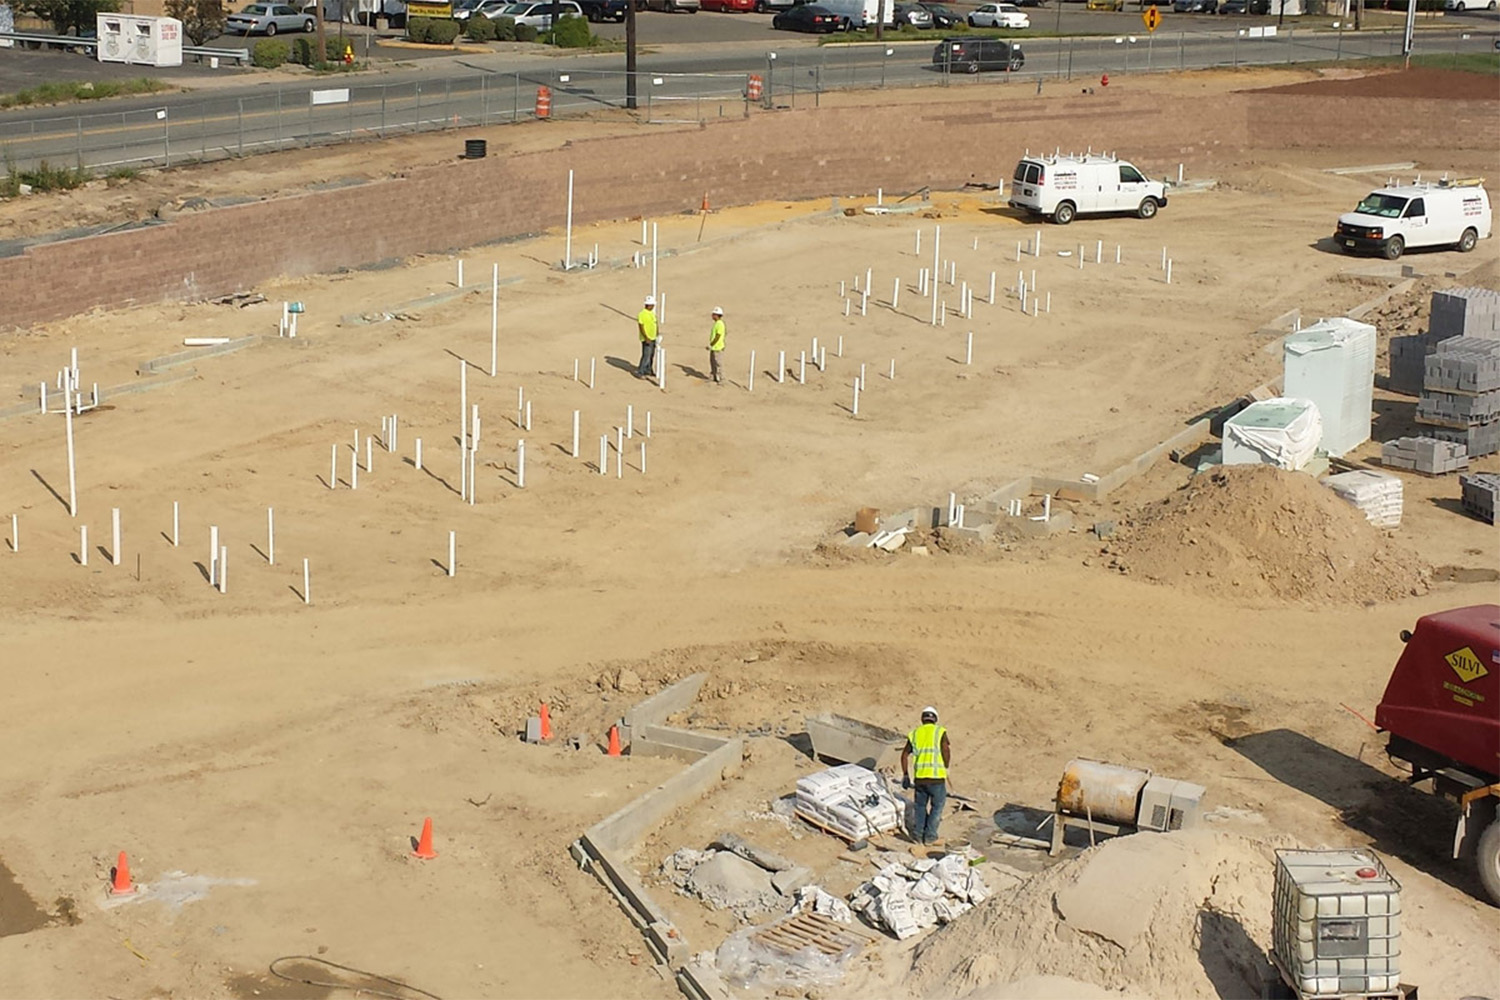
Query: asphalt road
{"points": [[678, 82]]}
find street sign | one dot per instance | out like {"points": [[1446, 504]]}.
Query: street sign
{"points": [[1152, 17]]}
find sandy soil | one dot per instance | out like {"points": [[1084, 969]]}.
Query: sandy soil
{"points": [[249, 736]]}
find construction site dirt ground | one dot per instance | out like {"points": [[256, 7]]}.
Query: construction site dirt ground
{"points": [[267, 762]]}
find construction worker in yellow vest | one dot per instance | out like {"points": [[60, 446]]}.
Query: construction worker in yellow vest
{"points": [[645, 323], [928, 744], [716, 345]]}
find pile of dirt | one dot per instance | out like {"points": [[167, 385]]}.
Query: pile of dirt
{"points": [[1183, 914], [1260, 532]]}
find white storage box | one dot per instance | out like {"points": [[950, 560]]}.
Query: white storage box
{"points": [[1281, 432], [1336, 922], [1332, 363], [139, 40]]}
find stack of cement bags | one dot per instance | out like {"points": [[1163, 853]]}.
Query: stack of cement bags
{"points": [[906, 898], [1375, 493], [851, 801]]}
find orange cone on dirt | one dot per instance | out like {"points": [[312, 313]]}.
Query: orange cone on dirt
{"points": [[424, 844], [121, 884], [546, 722], [614, 741], [705, 201]]}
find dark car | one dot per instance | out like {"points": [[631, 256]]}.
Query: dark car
{"points": [[1245, 6], [807, 17], [1197, 6], [604, 10], [970, 55], [913, 14], [1029, 3], [942, 17]]}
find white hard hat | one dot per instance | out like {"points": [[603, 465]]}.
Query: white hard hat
{"points": [[651, 300], [718, 311], [929, 710]]}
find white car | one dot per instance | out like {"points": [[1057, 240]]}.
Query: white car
{"points": [[538, 15], [1462, 5], [998, 15]]}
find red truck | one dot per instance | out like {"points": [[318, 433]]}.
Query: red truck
{"points": [[1441, 709]]}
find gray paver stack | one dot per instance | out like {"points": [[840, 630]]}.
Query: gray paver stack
{"points": [[1424, 454], [1480, 491], [1461, 393], [1456, 312]]}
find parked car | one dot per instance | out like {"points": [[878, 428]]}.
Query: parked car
{"points": [[728, 6], [807, 17], [970, 55], [464, 9], [1462, 5], [1031, 3], [942, 17], [1105, 5], [269, 18], [771, 6], [671, 6], [1245, 6], [856, 14], [538, 13], [999, 15], [1197, 6], [604, 10], [913, 14]]}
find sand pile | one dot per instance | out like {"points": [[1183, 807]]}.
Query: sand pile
{"points": [[1184, 914], [1256, 531]]}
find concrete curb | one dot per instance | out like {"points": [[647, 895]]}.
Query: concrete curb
{"points": [[109, 392], [155, 365]]}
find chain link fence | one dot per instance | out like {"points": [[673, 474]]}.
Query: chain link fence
{"points": [[320, 114]]}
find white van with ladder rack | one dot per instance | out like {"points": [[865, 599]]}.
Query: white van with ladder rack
{"points": [[1061, 187], [1401, 216]]}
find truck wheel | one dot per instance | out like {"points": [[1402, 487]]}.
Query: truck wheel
{"points": [[1467, 240], [1487, 858], [1394, 247], [1063, 214], [1147, 209]]}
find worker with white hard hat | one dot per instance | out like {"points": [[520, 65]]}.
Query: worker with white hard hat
{"points": [[645, 321], [716, 345], [928, 743]]}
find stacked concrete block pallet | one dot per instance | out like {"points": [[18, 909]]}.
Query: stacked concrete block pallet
{"points": [[1457, 312], [1461, 393], [1424, 454], [1480, 491]]}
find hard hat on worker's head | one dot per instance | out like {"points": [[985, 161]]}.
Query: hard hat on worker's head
{"points": [[650, 301], [718, 311], [929, 714]]}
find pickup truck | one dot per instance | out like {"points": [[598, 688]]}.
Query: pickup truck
{"points": [[603, 10]]}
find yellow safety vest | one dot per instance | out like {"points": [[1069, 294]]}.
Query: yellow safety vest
{"points": [[647, 322], [927, 746], [716, 336]]}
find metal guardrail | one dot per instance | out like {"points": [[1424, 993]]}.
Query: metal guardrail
{"points": [[199, 52]]}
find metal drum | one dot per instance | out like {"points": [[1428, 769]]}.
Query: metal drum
{"points": [[1101, 791]]}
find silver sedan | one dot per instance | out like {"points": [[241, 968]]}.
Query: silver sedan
{"points": [[269, 18]]}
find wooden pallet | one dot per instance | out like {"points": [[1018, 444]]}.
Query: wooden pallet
{"points": [[809, 930]]}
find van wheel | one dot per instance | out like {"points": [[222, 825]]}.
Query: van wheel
{"points": [[1147, 209], [1063, 214], [1467, 240], [1394, 247]]}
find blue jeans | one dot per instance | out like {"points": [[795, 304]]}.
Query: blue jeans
{"points": [[931, 797], [648, 355]]}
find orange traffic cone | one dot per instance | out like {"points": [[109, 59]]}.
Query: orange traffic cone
{"points": [[614, 741], [546, 722], [121, 884], [705, 201], [424, 845]]}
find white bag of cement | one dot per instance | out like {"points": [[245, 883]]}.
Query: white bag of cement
{"points": [[813, 897], [924, 913], [949, 910], [976, 891], [894, 912], [928, 887]]}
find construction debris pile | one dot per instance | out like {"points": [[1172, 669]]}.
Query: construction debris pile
{"points": [[738, 876], [1376, 494], [910, 895], [849, 801]]}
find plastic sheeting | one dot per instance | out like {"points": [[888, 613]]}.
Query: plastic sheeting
{"points": [[1281, 432]]}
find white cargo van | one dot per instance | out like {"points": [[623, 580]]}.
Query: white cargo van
{"points": [[856, 14], [1445, 214], [1061, 187]]}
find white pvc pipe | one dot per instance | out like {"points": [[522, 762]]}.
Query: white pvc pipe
{"points": [[72, 467], [473, 473], [802, 368], [306, 583], [333, 467], [823, 359], [846, 307], [1169, 270], [1080, 256], [460, 272], [270, 536], [83, 544], [495, 321], [1117, 253], [969, 349], [114, 545], [575, 369], [592, 361], [568, 246], [643, 458], [856, 398], [992, 288], [648, 423], [521, 465], [15, 534], [575, 433], [643, 232], [452, 552], [841, 347], [1047, 507], [750, 381], [918, 251], [1049, 302], [1018, 250], [841, 288], [896, 295], [604, 455], [528, 415], [44, 396], [175, 523], [419, 454], [892, 375], [1037, 246], [630, 420], [937, 237], [781, 366]]}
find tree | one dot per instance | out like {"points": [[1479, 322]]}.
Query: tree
{"points": [[77, 16], [201, 19]]}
